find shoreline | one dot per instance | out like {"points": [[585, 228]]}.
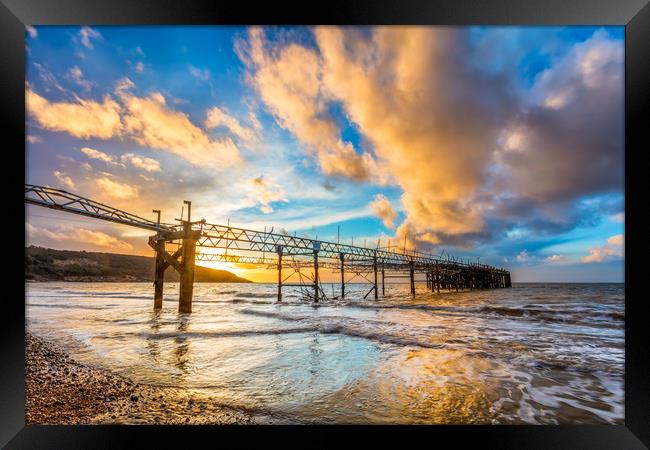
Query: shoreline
{"points": [[62, 391]]}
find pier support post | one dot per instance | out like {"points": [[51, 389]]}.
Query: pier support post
{"points": [[412, 276], [187, 270], [279, 250], [159, 278], [159, 270], [316, 250], [342, 258], [383, 278], [374, 266]]}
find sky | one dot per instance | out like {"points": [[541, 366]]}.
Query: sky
{"points": [[502, 145]]}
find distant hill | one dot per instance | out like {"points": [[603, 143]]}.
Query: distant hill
{"points": [[46, 264]]}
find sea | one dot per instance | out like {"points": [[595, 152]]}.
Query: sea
{"points": [[530, 354]]}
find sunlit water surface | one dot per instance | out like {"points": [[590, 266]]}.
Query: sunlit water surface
{"points": [[536, 353]]}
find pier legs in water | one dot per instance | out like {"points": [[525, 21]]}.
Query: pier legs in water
{"points": [[374, 266], [342, 257], [412, 276], [279, 250], [187, 272], [159, 279], [316, 276], [183, 261]]}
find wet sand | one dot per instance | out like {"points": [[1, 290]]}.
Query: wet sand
{"points": [[60, 390]]}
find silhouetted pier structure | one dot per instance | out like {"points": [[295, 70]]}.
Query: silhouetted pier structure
{"points": [[293, 257]]}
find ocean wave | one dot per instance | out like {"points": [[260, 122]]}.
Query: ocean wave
{"points": [[76, 306], [225, 333], [373, 330], [255, 295]]}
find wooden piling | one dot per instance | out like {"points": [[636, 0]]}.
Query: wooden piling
{"points": [[342, 258], [187, 270], [315, 275], [279, 250], [374, 266], [412, 276], [159, 278]]}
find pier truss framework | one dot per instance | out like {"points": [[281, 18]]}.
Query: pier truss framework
{"points": [[296, 259]]}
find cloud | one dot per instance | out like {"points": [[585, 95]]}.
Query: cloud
{"points": [[409, 91], [570, 143], [101, 239], [87, 34], [64, 179], [620, 217], [611, 250], [77, 235], [555, 259], [141, 162], [216, 117], [252, 118], [76, 75], [82, 118], [383, 209], [472, 155], [115, 190], [123, 85], [48, 80], [150, 122], [33, 139], [264, 194], [288, 80], [199, 74], [431, 119], [523, 256], [96, 154], [139, 67], [32, 31]]}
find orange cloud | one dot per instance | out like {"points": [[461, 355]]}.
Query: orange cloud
{"points": [[288, 81], [149, 121], [401, 86], [64, 179], [456, 139], [116, 190], [152, 123], [611, 250], [82, 119], [383, 209], [96, 154], [216, 117], [407, 92], [264, 194], [141, 162]]}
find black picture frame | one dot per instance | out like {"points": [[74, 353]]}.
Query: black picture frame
{"points": [[633, 14]]}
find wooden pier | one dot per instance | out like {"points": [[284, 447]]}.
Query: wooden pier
{"points": [[300, 257]]}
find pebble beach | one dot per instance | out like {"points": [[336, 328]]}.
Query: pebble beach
{"points": [[60, 390]]}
